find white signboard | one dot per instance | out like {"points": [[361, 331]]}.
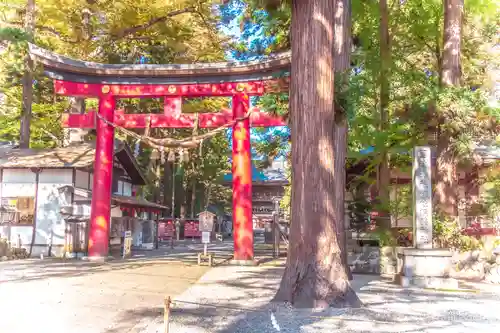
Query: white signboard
{"points": [[422, 198], [206, 221], [127, 243], [205, 237]]}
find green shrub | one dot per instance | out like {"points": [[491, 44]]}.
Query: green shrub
{"points": [[385, 237], [448, 234]]}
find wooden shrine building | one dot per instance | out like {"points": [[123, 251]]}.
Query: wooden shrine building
{"points": [[45, 197]]}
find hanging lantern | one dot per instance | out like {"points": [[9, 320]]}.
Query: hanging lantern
{"points": [[171, 155], [155, 155]]}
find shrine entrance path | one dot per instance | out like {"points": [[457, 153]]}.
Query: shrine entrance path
{"points": [[53, 296]]}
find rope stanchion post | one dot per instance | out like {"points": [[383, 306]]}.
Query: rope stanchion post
{"points": [[166, 313]]}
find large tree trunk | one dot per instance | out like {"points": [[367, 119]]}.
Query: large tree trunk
{"points": [[451, 70], [446, 195], [25, 130], [315, 275], [342, 63], [384, 173]]}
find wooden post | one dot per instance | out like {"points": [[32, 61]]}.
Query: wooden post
{"points": [[166, 313], [276, 227]]}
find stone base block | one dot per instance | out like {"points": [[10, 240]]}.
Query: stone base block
{"points": [[425, 268], [98, 259], [209, 257], [428, 282], [237, 262]]}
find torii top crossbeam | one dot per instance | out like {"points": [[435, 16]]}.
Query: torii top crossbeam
{"points": [[171, 82], [60, 67]]}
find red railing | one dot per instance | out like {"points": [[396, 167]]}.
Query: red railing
{"points": [[481, 226], [192, 228], [166, 230]]}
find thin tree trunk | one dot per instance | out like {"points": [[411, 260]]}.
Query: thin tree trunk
{"points": [[384, 174], [342, 62], [193, 164], [167, 186], [157, 189], [193, 195], [25, 130], [181, 193], [314, 274], [446, 195]]}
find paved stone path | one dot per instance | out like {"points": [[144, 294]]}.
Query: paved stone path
{"points": [[52, 296], [231, 299]]}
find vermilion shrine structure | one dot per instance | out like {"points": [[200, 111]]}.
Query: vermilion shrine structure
{"points": [[172, 83]]}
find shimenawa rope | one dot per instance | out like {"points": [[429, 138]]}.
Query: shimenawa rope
{"points": [[190, 142]]}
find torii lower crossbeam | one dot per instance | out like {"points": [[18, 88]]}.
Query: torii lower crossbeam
{"points": [[205, 120]]}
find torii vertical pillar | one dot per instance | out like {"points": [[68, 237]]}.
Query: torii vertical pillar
{"points": [[242, 182], [100, 213]]}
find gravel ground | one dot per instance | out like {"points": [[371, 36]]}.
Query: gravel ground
{"points": [[54, 296], [231, 299]]}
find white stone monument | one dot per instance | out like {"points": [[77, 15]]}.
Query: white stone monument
{"points": [[422, 198], [423, 266]]}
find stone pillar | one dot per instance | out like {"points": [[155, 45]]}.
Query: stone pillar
{"points": [[422, 198], [423, 266]]}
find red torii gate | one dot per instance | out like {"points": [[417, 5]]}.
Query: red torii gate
{"points": [[172, 83]]}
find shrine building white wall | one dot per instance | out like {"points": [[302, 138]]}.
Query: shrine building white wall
{"points": [[49, 224]]}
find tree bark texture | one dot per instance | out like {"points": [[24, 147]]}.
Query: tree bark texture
{"points": [[452, 34], [25, 130], [157, 188], [384, 173], [167, 186], [446, 192], [181, 195], [193, 198], [314, 276], [342, 42]]}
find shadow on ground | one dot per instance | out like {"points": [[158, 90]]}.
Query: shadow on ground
{"points": [[388, 308], [34, 269]]}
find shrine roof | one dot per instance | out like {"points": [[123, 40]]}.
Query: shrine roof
{"points": [[121, 200], [136, 202], [64, 68], [74, 156]]}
